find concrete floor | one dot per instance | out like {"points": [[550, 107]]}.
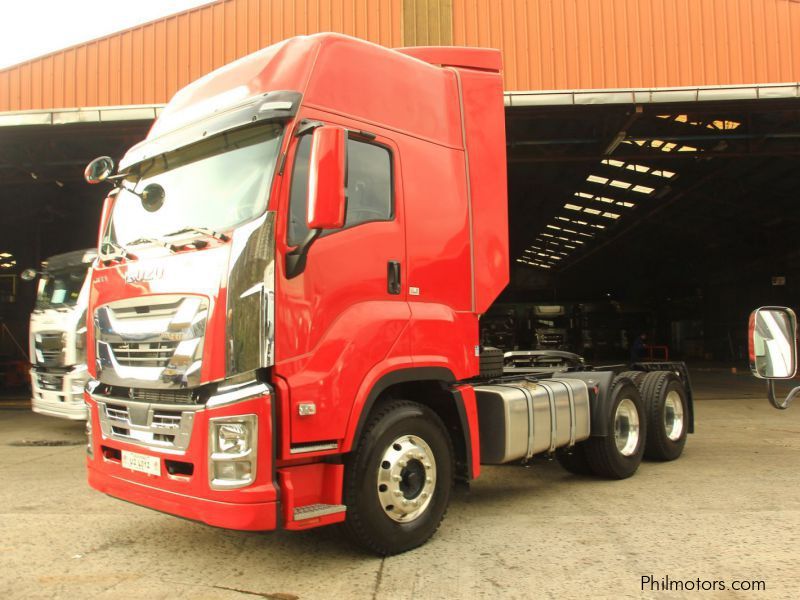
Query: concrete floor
{"points": [[727, 510]]}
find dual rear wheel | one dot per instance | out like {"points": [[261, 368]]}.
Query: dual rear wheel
{"points": [[647, 417]]}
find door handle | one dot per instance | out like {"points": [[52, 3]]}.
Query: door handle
{"points": [[393, 277]]}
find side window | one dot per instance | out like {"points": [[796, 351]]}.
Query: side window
{"points": [[369, 187]]}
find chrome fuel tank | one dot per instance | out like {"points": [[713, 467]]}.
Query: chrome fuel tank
{"points": [[521, 418]]}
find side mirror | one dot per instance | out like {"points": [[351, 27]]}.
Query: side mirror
{"points": [[773, 349], [326, 178], [99, 169], [772, 343], [28, 275]]}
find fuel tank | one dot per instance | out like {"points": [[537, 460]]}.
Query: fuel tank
{"points": [[522, 418]]}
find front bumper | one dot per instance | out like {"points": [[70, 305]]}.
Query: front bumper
{"points": [[185, 490], [59, 393]]}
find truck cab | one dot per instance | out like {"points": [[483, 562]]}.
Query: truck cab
{"points": [[57, 338], [285, 305]]}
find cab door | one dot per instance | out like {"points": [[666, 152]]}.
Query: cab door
{"points": [[343, 316]]}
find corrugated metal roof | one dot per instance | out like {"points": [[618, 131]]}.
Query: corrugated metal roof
{"points": [[589, 44], [149, 63], [546, 44]]}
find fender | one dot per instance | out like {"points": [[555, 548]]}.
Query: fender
{"points": [[603, 381], [405, 375], [467, 408]]}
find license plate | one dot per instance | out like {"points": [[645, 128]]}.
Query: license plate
{"points": [[141, 463]]}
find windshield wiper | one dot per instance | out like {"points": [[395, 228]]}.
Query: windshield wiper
{"points": [[145, 240], [203, 231], [116, 252]]}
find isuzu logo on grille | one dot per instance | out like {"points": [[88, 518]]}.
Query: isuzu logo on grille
{"points": [[144, 275]]}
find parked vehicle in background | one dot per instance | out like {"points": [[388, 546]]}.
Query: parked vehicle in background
{"points": [[285, 306], [58, 334]]}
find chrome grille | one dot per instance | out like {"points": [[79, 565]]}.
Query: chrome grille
{"points": [[120, 413], [51, 381], [153, 354], [50, 348], [161, 396], [163, 428], [151, 342]]}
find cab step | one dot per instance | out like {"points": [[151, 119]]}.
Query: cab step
{"points": [[312, 511]]}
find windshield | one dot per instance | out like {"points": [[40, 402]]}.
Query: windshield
{"points": [[215, 184], [60, 289]]}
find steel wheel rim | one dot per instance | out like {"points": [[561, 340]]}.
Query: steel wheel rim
{"points": [[406, 478], [673, 416], [626, 427]]}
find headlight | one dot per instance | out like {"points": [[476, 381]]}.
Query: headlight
{"points": [[232, 438], [232, 451]]}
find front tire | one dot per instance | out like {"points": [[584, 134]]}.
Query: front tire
{"points": [[619, 454], [398, 480]]}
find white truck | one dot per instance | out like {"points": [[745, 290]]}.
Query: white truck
{"points": [[58, 334]]}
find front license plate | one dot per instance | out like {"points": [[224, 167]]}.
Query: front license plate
{"points": [[141, 462]]}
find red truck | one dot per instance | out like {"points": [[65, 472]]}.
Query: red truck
{"points": [[285, 305]]}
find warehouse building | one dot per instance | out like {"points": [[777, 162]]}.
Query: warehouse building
{"points": [[652, 150]]}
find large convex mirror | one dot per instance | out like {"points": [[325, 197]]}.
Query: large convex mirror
{"points": [[99, 169], [772, 343]]}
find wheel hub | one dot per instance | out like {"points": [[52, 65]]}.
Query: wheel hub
{"points": [[626, 427], [673, 416], [406, 478]]}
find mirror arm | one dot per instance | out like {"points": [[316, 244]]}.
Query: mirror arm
{"points": [[774, 401], [296, 259]]}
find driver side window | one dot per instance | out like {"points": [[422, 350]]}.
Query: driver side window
{"points": [[368, 188]]}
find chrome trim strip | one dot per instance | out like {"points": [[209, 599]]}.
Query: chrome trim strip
{"points": [[245, 392], [314, 448]]}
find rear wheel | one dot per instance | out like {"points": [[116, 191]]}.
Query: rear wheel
{"points": [[667, 412], [574, 459], [398, 480], [635, 376], [618, 454]]}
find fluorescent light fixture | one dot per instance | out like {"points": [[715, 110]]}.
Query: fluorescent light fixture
{"points": [[643, 189]]}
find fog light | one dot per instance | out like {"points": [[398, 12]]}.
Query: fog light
{"points": [[232, 471]]}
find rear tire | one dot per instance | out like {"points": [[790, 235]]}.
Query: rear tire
{"points": [[667, 410], [635, 376], [619, 454], [574, 459], [398, 480]]}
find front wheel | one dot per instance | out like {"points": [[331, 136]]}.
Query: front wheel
{"points": [[398, 480]]}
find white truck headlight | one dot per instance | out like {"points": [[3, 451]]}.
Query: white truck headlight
{"points": [[232, 438], [232, 451]]}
